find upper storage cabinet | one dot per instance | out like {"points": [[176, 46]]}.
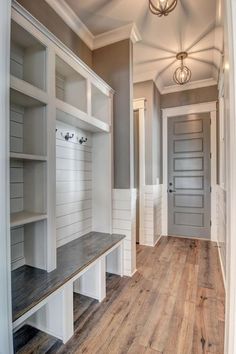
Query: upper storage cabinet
{"points": [[71, 87], [100, 104], [28, 57]]}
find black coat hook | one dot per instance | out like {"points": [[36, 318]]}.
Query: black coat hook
{"points": [[82, 140], [67, 137]]}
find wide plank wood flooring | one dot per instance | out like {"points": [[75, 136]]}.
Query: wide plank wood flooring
{"points": [[174, 304]]}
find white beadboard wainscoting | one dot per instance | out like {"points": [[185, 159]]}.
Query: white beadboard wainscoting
{"points": [[73, 184], [124, 222], [152, 214], [221, 226]]}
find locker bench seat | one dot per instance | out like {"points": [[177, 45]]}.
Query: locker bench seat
{"points": [[45, 298]]}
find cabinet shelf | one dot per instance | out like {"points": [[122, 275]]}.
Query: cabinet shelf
{"points": [[26, 217], [26, 94], [73, 116], [26, 157]]}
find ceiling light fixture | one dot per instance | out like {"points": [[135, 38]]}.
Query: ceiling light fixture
{"points": [[182, 74], [162, 7]]}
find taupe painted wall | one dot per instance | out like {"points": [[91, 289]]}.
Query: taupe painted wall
{"points": [[153, 135], [200, 95], [49, 18], [114, 64]]}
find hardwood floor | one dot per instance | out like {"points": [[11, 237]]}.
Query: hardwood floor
{"points": [[174, 304]]}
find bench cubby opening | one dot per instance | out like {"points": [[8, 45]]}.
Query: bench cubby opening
{"points": [[28, 244], [28, 57]]}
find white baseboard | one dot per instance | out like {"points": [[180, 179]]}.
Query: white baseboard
{"points": [[130, 274]]}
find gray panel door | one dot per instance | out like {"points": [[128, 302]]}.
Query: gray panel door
{"points": [[189, 175]]}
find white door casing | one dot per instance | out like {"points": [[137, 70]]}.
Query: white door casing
{"points": [[139, 105], [184, 110]]}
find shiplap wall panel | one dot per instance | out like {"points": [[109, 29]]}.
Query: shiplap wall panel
{"points": [[124, 223], [16, 62], [152, 214], [17, 247], [16, 182], [73, 184]]}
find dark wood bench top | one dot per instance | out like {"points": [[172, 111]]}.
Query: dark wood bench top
{"points": [[31, 285]]}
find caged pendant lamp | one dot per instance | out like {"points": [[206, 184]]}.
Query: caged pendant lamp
{"points": [[162, 7], [182, 74]]}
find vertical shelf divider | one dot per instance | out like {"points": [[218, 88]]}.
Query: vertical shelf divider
{"points": [[51, 165]]}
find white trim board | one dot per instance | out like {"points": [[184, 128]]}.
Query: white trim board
{"points": [[6, 346], [140, 106], [182, 110], [72, 20]]}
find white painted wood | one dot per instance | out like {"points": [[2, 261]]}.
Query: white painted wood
{"points": [[115, 261], [93, 282], [28, 57], [6, 346], [139, 104], [19, 156], [56, 316], [26, 217], [190, 109], [102, 183], [28, 89], [152, 215], [230, 96], [75, 117], [73, 194], [71, 87], [124, 200], [26, 20]]}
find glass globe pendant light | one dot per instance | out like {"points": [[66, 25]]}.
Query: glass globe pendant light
{"points": [[182, 74], [162, 7]]}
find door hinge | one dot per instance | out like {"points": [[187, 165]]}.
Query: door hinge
{"points": [[210, 223], [210, 155], [210, 189]]}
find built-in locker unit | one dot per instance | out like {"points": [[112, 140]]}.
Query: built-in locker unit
{"points": [[61, 179]]}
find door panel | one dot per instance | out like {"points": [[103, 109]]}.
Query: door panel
{"points": [[189, 199]]}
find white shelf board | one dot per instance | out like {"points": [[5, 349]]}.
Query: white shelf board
{"points": [[30, 157], [26, 217], [27, 95], [73, 116]]}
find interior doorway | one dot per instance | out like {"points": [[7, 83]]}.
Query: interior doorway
{"points": [[189, 177]]}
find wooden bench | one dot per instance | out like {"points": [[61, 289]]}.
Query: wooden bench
{"points": [[45, 300]]}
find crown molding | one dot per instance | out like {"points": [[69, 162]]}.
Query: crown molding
{"points": [[189, 86], [129, 31], [72, 20]]}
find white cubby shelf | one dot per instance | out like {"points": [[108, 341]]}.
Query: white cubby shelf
{"points": [[28, 57], [73, 116], [26, 217]]}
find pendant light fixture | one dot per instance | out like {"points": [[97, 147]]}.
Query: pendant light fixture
{"points": [[162, 7], [182, 74]]}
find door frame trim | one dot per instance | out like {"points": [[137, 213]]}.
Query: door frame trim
{"points": [[208, 107], [140, 106]]}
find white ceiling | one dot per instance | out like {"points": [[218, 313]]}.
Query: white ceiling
{"points": [[194, 26]]}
